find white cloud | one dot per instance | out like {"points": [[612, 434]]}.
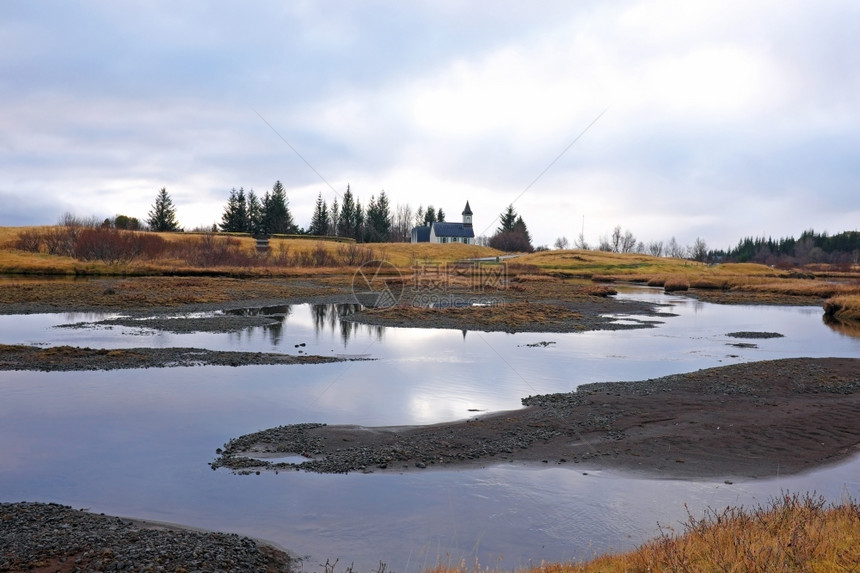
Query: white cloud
{"points": [[723, 118]]}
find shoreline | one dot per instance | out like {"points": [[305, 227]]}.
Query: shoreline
{"points": [[49, 537], [749, 420]]}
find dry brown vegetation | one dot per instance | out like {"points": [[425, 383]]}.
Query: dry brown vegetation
{"points": [[96, 251], [143, 292], [730, 283], [843, 308], [509, 315], [60, 250], [790, 533]]}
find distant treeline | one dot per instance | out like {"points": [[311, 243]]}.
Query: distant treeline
{"points": [[811, 247]]}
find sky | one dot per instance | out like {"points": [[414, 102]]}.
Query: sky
{"points": [[670, 118]]}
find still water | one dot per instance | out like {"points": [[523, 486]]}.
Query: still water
{"points": [[137, 442]]}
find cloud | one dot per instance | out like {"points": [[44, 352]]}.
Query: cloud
{"points": [[725, 119]]}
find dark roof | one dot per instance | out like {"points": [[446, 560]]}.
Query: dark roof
{"points": [[422, 233], [446, 229], [467, 210]]}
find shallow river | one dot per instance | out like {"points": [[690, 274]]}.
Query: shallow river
{"points": [[137, 442]]}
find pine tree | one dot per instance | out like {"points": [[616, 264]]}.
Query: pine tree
{"points": [[512, 234], [440, 215], [346, 218], [277, 218], [162, 217], [235, 217], [333, 215], [254, 224], [382, 223], [319, 221], [507, 220], [358, 221], [429, 215], [378, 224]]}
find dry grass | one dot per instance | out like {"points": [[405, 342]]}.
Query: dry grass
{"points": [[791, 533], [286, 257], [732, 283], [676, 283], [143, 292], [508, 315], [844, 307]]}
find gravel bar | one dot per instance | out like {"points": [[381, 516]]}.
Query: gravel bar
{"points": [[50, 537]]}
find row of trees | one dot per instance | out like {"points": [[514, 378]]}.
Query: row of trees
{"points": [[373, 223], [348, 218], [623, 241], [810, 247], [267, 216]]}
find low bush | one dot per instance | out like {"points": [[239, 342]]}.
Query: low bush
{"points": [[353, 255], [846, 307], [676, 283], [113, 246], [30, 240], [210, 250]]}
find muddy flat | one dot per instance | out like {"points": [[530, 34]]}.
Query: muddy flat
{"points": [[70, 358], [741, 421]]}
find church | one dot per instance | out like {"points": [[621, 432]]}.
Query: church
{"points": [[445, 232]]}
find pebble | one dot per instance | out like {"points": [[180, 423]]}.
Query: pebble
{"points": [[48, 534]]}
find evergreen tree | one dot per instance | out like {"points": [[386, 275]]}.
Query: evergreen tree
{"points": [[512, 234], [235, 217], [429, 215], [333, 214], [440, 215], [254, 224], [162, 217], [346, 218], [520, 227], [319, 221], [277, 218], [383, 220], [358, 221], [507, 220], [378, 223]]}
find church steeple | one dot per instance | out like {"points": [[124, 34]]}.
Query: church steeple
{"points": [[467, 215]]}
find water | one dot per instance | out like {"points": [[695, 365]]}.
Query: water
{"points": [[137, 442]]}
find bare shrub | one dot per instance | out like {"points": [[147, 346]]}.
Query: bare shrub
{"points": [[282, 258], [113, 246], [210, 250], [62, 240], [353, 254], [30, 240]]}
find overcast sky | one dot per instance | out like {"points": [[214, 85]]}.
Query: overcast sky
{"points": [[719, 120]]}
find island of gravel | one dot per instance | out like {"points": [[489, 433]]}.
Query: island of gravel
{"points": [[47, 537], [740, 421]]}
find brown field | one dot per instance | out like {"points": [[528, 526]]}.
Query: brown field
{"points": [[730, 283], [548, 274], [232, 255]]}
